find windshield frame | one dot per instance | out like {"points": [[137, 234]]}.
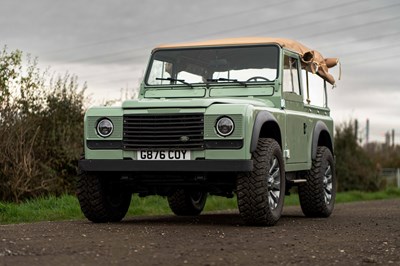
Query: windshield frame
{"points": [[219, 83]]}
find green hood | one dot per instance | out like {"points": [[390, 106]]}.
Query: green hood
{"points": [[192, 103]]}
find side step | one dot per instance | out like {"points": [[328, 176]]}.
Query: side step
{"points": [[293, 182], [297, 181]]}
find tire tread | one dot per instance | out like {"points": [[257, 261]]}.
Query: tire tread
{"points": [[252, 187], [311, 193]]}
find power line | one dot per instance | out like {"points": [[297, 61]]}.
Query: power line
{"points": [[145, 48], [369, 38], [351, 54], [373, 60], [174, 27], [271, 21], [337, 30], [357, 13], [229, 30], [107, 73], [353, 27], [107, 55]]}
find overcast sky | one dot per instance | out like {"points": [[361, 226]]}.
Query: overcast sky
{"points": [[107, 43]]}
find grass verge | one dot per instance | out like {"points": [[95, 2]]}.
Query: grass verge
{"points": [[67, 207]]}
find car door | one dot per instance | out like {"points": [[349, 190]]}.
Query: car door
{"points": [[296, 122]]}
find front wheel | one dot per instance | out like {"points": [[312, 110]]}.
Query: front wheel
{"points": [[260, 193], [187, 203], [317, 195], [101, 200]]}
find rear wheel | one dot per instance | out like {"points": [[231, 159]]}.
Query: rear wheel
{"points": [[261, 192], [101, 200], [317, 195], [187, 203]]}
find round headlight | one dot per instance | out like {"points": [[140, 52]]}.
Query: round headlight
{"points": [[104, 128], [224, 126]]}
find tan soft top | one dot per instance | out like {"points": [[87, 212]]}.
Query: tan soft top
{"points": [[312, 60]]}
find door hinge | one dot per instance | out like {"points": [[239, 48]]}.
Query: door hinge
{"points": [[286, 154], [283, 103]]}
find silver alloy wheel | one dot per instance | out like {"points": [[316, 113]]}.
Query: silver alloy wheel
{"points": [[274, 184], [328, 185], [197, 197]]}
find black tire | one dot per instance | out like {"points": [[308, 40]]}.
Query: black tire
{"points": [[102, 201], [317, 195], [261, 193], [187, 203]]}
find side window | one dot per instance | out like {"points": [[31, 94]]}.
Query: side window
{"points": [[315, 86], [291, 81]]}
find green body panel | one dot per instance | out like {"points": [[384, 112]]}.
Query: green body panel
{"points": [[190, 103], [103, 154], [178, 93], [252, 91], [295, 119]]}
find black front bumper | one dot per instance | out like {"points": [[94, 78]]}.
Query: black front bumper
{"points": [[166, 166]]}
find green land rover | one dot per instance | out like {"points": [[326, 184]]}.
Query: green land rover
{"points": [[244, 116]]}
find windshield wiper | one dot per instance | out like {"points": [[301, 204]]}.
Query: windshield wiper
{"points": [[225, 79], [174, 80]]}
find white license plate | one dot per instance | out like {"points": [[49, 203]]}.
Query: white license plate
{"points": [[163, 155]]}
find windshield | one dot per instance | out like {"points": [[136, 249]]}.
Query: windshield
{"points": [[236, 65]]}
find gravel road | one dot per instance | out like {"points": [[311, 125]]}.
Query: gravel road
{"points": [[362, 233]]}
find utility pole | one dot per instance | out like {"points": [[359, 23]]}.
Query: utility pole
{"points": [[387, 139], [398, 177], [392, 137], [367, 132], [356, 129]]}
